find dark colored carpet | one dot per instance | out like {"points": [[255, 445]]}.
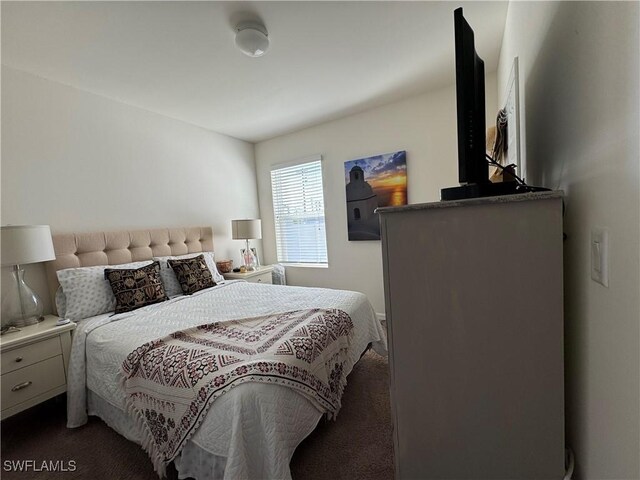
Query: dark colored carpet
{"points": [[357, 445]]}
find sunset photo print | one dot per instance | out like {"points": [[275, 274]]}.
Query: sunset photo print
{"points": [[372, 182]]}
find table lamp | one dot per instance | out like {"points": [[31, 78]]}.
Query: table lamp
{"points": [[247, 230], [22, 244]]}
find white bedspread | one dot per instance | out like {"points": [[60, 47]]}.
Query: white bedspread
{"points": [[256, 427]]}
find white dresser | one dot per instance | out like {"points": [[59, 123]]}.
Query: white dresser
{"points": [[34, 364], [474, 308]]}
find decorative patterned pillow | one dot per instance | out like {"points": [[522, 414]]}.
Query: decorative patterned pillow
{"points": [[192, 273], [136, 288], [171, 284], [87, 292]]}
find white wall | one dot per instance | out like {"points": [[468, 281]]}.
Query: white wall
{"points": [[424, 126], [579, 73], [82, 162]]}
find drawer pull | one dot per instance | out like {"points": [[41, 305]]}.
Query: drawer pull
{"points": [[18, 359], [259, 280], [20, 386]]}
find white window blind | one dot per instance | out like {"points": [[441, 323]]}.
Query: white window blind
{"points": [[298, 208]]}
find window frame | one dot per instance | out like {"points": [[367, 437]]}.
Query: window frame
{"points": [[294, 163]]}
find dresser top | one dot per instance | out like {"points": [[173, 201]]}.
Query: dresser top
{"points": [[520, 197]]}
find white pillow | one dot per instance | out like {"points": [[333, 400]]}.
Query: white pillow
{"points": [[61, 303], [171, 284], [86, 290]]}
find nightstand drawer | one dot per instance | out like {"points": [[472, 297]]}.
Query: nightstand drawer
{"points": [[21, 385], [262, 278], [29, 354]]}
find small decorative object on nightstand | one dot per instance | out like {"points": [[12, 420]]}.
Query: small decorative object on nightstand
{"points": [[247, 230], [23, 244], [224, 266], [34, 364], [259, 275]]}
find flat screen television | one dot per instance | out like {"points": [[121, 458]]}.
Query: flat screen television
{"points": [[473, 168]]}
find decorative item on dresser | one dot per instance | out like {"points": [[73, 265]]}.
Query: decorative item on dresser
{"points": [[247, 230], [475, 328], [259, 275], [22, 244], [35, 362]]}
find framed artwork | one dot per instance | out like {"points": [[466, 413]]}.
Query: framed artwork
{"points": [[372, 182], [255, 254], [512, 109]]}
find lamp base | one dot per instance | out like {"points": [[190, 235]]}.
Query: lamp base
{"points": [[24, 322], [21, 306], [249, 259]]}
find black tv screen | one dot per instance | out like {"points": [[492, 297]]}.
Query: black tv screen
{"points": [[472, 164], [473, 168]]}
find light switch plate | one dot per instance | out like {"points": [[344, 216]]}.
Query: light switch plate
{"points": [[600, 255]]}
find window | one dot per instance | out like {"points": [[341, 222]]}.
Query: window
{"points": [[298, 209]]}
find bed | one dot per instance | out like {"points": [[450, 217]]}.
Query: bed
{"points": [[250, 431]]}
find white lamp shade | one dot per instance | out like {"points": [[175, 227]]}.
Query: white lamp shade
{"points": [[26, 244], [246, 229], [251, 40]]}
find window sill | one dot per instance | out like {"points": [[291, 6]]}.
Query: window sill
{"points": [[306, 265]]}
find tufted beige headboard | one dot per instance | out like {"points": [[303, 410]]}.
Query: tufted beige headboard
{"points": [[114, 248]]}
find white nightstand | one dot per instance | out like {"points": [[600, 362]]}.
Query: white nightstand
{"points": [[34, 363], [259, 275]]}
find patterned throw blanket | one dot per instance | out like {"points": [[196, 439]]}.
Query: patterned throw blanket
{"points": [[170, 383]]}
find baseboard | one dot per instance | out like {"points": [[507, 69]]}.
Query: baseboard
{"points": [[381, 316]]}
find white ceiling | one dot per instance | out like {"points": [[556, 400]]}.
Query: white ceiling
{"points": [[327, 59]]}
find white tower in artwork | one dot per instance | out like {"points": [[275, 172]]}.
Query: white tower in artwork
{"points": [[361, 200]]}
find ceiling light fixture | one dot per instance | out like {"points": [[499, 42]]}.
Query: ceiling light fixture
{"points": [[252, 39]]}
